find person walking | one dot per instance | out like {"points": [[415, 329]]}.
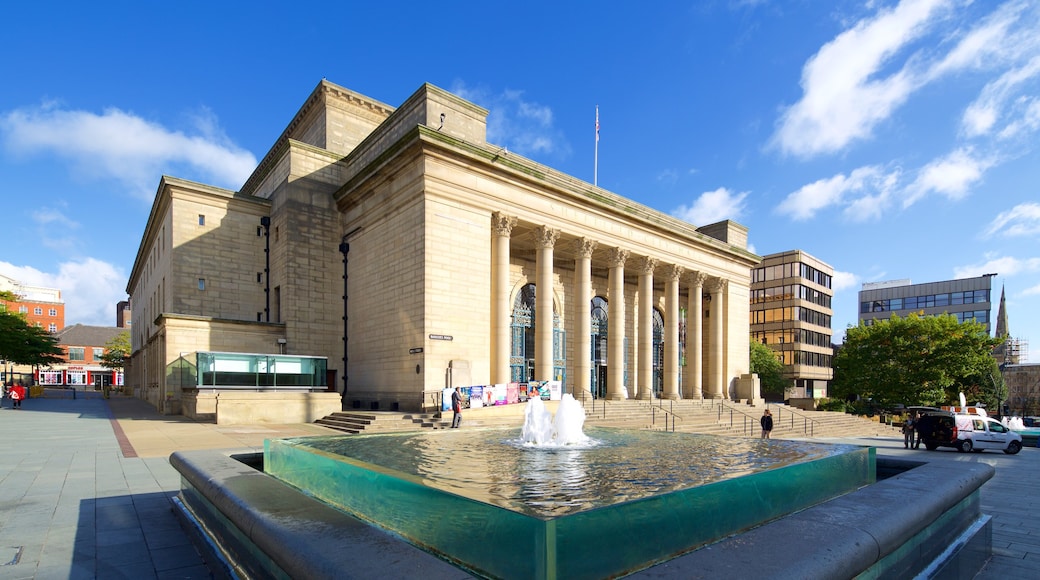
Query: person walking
{"points": [[17, 394], [456, 408], [767, 423]]}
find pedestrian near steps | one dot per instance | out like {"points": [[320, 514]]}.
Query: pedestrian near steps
{"points": [[767, 423], [456, 408]]}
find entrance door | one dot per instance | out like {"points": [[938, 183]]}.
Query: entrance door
{"points": [[101, 380]]}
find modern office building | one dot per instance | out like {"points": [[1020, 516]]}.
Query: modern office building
{"points": [[408, 254], [967, 298], [791, 314]]}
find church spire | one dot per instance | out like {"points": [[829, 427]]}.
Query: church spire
{"points": [[1002, 330]]}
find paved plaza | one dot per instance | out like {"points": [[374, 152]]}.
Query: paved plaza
{"points": [[85, 488]]}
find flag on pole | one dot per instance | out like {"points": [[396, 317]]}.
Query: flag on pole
{"points": [[597, 123], [595, 162]]}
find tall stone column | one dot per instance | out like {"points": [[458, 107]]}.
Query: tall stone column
{"points": [[616, 324], [671, 332], [545, 239], [583, 249], [646, 328], [695, 337], [501, 228], [717, 346]]}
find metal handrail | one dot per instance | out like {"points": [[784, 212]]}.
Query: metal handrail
{"points": [[667, 413], [808, 423]]}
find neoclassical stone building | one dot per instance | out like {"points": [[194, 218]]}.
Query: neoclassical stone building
{"points": [[412, 254]]}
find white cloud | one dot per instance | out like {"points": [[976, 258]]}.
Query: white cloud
{"points": [[1026, 123], [842, 281], [951, 176], [1032, 291], [90, 288], [845, 95], [1021, 220], [55, 229], [119, 145], [712, 207], [982, 115], [1005, 266], [520, 125], [865, 192], [993, 41]]}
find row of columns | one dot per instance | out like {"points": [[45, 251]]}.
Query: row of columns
{"points": [[546, 239]]}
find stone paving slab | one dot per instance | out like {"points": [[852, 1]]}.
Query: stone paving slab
{"points": [[86, 488]]}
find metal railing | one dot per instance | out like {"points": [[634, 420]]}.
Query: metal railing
{"points": [[666, 413], [749, 423]]}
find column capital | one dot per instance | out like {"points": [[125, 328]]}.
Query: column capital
{"points": [[673, 272], [501, 224], [584, 247], [617, 257], [717, 285], [646, 265], [545, 237], [697, 279]]}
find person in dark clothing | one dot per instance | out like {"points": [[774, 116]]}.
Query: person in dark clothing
{"points": [[909, 431], [456, 408], [767, 423]]}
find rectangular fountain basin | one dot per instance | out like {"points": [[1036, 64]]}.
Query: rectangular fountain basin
{"points": [[515, 518]]}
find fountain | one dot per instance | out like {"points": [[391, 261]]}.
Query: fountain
{"points": [[544, 500], [548, 500]]}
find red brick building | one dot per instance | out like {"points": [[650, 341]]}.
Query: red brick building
{"points": [[84, 346], [42, 307]]}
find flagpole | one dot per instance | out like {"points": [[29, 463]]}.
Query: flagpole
{"points": [[595, 162]]}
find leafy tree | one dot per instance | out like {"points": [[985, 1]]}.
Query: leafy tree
{"points": [[769, 369], [913, 360], [987, 388], [25, 344], [116, 351]]}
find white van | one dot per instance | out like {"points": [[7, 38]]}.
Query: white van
{"points": [[978, 433]]}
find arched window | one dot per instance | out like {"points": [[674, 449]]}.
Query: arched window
{"points": [[522, 349], [599, 347], [658, 380]]}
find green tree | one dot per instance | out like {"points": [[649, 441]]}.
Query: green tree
{"points": [[987, 387], [913, 360], [25, 344], [116, 351], [769, 369]]}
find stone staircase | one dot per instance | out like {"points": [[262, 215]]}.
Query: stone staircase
{"points": [[382, 421], [688, 416]]}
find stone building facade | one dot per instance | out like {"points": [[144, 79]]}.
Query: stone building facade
{"points": [[414, 255]]}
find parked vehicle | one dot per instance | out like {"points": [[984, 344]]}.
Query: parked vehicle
{"points": [[965, 433]]}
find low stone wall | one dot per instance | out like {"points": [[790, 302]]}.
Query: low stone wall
{"points": [[922, 519], [246, 407]]}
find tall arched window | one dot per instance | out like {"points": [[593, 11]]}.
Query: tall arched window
{"points": [[522, 349], [521, 356], [658, 379], [599, 347]]}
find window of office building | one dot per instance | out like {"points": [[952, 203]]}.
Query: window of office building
{"points": [[76, 353]]}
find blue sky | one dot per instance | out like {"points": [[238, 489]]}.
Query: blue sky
{"points": [[890, 139]]}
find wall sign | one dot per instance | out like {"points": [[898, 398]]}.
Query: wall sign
{"points": [[441, 337]]}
